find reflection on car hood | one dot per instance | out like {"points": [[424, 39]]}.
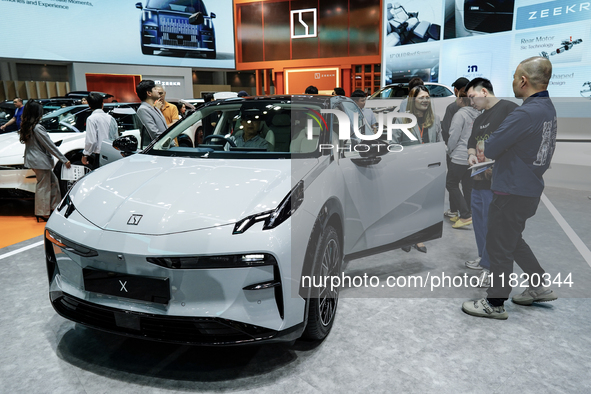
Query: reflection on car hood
{"points": [[175, 194], [12, 151]]}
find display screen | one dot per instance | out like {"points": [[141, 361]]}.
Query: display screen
{"points": [[442, 40], [152, 32]]}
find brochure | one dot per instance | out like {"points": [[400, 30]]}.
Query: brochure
{"points": [[481, 167], [73, 173]]}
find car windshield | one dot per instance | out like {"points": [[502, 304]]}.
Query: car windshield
{"points": [[189, 6], [390, 92], [6, 113], [66, 120], [246, 129]]}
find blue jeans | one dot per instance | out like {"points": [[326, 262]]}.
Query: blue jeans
{"points": [[481, 200]]}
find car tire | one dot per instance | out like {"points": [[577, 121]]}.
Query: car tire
{"points": [[323, 302]]}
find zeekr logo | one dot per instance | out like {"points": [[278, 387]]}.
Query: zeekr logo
{"points": [[552, 13]]}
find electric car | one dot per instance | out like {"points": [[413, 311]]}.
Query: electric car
{"points": [[224, 243], [167, 25]]}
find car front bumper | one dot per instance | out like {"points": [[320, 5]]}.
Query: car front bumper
{"points": [[210, 306]]}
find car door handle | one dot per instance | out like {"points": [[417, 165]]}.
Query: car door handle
{"points": [[434, 165]]}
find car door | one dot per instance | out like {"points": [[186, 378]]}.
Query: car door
{"points": [[398, 196]]}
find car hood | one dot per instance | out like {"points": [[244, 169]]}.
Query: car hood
{"points": [[158, 195], [12, 151]]}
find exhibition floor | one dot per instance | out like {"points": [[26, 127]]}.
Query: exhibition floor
{"points": [[383, 340]]}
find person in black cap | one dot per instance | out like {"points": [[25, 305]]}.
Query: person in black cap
{"points": [[450, 111], [242, 93]]}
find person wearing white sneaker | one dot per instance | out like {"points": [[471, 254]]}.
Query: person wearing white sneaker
{"points": [[494, 112], [534, 294], [474, 264], [522, 148], [482, 308]]}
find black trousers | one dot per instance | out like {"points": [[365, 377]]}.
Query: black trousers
{"points": [[457, 173], [94, 161], [506, 221]]}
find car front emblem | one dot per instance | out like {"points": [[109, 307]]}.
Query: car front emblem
{"points": [[134, 220]]}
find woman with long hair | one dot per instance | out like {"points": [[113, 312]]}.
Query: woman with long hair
{"points": [[38, 150], [427, 129]]}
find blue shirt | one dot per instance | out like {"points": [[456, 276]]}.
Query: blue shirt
{"points": [[17, 116], [523, 146]]}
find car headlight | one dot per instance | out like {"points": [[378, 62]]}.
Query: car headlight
{"points": [[277, 216], [214, 262]]}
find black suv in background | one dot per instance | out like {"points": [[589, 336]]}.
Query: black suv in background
{"points": [[164, 26]]}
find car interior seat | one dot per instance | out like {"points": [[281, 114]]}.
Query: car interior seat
{"points": [[301, 143], [281, 126]]}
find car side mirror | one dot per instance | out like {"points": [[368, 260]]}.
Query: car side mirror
{"points": [[212, 14], [196, 19], [139, 6], [126, 144]]}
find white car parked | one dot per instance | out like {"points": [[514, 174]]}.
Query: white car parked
{"points": [[213, 244], [66, 128]]}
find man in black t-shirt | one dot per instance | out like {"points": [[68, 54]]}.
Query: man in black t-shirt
{"points": [[495, 111]]}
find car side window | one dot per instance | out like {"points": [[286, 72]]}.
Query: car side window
{"points": [[439, 91]]}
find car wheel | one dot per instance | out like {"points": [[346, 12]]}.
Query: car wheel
{"points": [[147, 51], [323, 302]]}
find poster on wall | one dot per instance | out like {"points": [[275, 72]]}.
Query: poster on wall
{"points": [[190, 33], [489, 39], [411, 22], [465, 18], [403, 63]]}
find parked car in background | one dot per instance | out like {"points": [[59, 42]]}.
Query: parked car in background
{"points": [[66, 127], [390, 96], [165, 26], [212, 244]]}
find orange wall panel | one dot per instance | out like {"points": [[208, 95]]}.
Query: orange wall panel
{"points": [[120, 86]]}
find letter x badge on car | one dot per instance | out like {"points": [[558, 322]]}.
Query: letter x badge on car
{"points": [[134, 220]]}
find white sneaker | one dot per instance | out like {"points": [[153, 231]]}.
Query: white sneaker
{"points": [[484, 278], [482, 308], [532, 294], [451, 214], [474, 264]]}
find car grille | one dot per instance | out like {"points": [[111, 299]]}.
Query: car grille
{"points": [[177, 26], [175, 329], [184, 43]]}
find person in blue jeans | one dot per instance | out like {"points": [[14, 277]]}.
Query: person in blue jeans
{"points": [[494, 112], [522, 148]]}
